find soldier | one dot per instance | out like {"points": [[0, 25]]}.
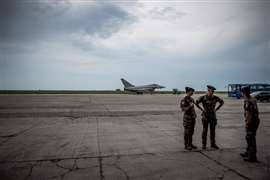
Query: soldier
{"points": [[189, 118], [252, 120], [209, 115]]}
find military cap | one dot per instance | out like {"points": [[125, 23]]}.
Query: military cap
{"points": [[189, 89], [245, 89], [211, 87]]}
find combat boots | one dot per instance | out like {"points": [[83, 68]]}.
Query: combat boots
{"points": [[250, 159], [245, 154], [187, 147], [203, 146], [191, 144], [214, 146]]}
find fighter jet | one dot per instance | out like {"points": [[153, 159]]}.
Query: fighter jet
{"points": [[140, 89]]}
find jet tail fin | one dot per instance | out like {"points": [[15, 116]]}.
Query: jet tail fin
{"points": [[126, 83]]}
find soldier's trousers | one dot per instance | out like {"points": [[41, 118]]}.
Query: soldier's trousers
{"points": [[188, 133], [251, 142], [212, 123]]}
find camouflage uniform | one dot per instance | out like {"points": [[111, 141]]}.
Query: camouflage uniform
{"points": [[189, 119], [209, 116], [252, 122]]}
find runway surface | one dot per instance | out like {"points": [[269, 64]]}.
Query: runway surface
{"points": [[115, 137]]}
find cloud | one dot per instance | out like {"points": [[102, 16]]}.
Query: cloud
{"points": [[182, 30], [37, 20], [166, 13]]}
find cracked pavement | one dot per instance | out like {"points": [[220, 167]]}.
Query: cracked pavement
{"points": [[119, 137]]}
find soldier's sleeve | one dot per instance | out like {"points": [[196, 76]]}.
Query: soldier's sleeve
{"points": [[248, 114], [184, 105], [220, 100], [199, 100], [256, 109], [252, 106]]}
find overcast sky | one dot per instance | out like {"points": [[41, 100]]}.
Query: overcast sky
{"points": [[69, 44]]}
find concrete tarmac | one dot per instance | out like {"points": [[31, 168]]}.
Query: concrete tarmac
{"points": [[122, 137]]}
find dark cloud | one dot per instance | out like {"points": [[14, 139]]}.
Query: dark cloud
{"points": [[33, 20]]}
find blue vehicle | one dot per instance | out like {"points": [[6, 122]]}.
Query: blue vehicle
{"points": [[234, 90]]}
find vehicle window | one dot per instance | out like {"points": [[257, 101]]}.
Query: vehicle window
{"points": [[260, 87]]}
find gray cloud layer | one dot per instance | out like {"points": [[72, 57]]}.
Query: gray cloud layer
{"points": [[33, 20]]}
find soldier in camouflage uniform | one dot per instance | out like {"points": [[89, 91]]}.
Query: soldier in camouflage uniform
{"points": [[189, 118], [252, 120], [209, 115]]}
